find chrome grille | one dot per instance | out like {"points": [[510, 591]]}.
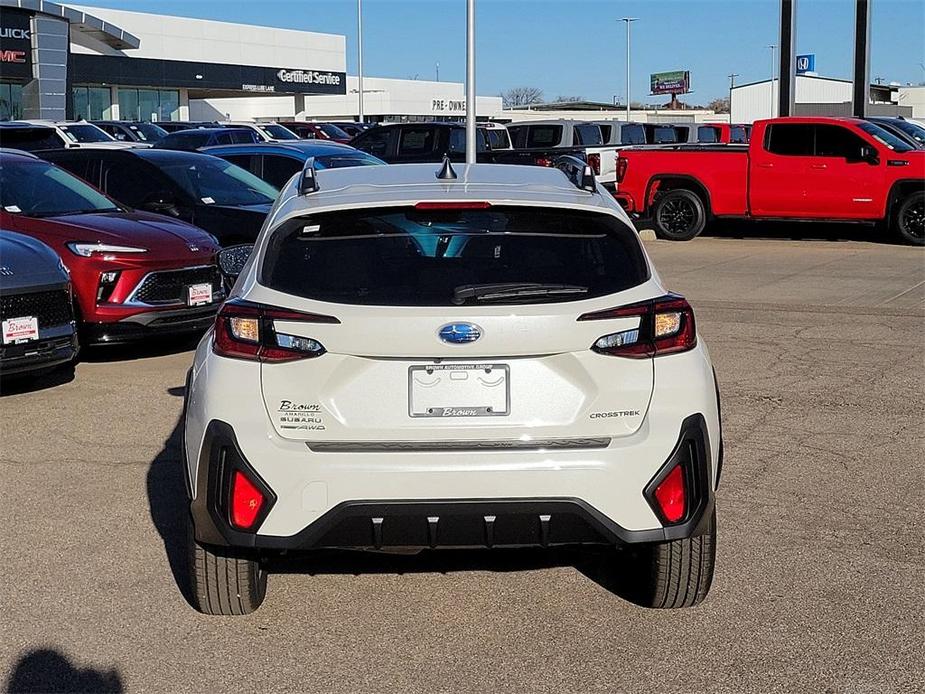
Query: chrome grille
{"points": [[170, 286]]}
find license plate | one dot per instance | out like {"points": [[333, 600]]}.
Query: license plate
{"points": [[459, 390], [199, 294], [23, 329]]}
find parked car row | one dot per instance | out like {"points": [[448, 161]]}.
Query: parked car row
{"points": [[131, 237]]}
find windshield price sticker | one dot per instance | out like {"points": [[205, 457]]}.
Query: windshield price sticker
{"points": [[200, 294], [17, 330]]}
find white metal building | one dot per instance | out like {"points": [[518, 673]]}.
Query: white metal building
{"points": [[384, 99], [817, 96], [98, 63]]}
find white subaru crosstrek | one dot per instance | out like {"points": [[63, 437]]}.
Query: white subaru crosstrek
{"points": [[414, 358]]}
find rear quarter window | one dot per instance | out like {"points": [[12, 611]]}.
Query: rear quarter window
{"points": [[544, 136], [402, 256]]}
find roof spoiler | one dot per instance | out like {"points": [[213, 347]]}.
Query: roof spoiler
{"points": [[578, 171], [308, 182]]}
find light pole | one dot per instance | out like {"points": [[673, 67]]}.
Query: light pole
{"points": [[628, 21], [438, 70], [732, 83], [773, 48], [470, 81], [360, 58]]}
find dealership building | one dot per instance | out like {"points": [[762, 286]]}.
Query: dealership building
{"points": [[68, 61]]}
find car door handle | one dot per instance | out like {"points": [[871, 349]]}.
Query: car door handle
{"points": [[818, 166], [766, 165]]}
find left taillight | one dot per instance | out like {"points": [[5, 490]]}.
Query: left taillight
{"points": [[621, 165], [666, 326], [594, 160], [246, 330]]}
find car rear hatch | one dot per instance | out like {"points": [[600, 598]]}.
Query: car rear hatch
{"points": [[418, 327]]}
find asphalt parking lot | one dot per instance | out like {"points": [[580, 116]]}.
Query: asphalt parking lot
{"points": [[819, 583]]}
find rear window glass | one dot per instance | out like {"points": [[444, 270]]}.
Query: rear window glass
{"points": [[498, 138], [606, 130], [402, 256], [588, 135], [632, 135], [708, 133], [416, 141], [544, 136], [738, 135]]}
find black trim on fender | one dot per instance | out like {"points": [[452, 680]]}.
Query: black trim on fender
{"points": [[219, 457], [693, 452], [495, 522]]}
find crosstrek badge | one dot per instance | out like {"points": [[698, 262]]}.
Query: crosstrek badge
{"points": [[22, 329]]}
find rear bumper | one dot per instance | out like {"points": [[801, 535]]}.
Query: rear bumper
{"points": [[138, 326], [504, 521]]}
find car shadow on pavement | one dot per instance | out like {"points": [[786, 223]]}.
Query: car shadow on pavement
{"points": [[167, 499], [153, 347], [601, 564], [166, 486], [29, 383], [48, 670]]}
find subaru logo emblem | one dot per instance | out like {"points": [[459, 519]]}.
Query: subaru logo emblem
{"points": [[460, 333]]}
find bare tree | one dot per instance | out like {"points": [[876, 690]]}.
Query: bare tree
{"points": [[521, 96], [719, 105]]}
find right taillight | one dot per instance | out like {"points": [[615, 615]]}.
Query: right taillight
{"points": [[621, 165], [666, 326], [245, 330]]}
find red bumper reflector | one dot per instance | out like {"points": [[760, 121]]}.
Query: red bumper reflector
{"points": [[670, 495], [246, 501]]}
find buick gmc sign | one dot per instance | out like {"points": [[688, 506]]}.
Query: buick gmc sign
{"points": [[16, 44], [308, 77]]}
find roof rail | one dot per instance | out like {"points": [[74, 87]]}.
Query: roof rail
{"points": [[578, 171], [308, 182]]}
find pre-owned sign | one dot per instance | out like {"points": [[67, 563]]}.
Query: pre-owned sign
{"points": [[15, 44]]}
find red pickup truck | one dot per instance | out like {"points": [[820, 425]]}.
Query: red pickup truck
{"points": [[834, 169]]}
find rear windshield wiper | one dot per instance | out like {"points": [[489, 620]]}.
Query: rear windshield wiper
{"points": [[511, 290]]}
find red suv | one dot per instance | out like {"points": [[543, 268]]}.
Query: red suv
{"points": [[134, 273]]}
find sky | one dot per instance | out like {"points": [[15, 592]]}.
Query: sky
{"points": [[578, 47]]}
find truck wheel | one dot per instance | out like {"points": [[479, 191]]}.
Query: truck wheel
{"points": [[679, 215], [909, 221], [677, 573], [223, 584]]}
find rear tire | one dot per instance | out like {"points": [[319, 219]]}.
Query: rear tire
{"points": [[677, 573], [222, 583], [909, 221], [678, 215]]}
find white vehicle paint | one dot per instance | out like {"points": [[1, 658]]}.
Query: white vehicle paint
{"points": [[81, 134], [384, 429]]}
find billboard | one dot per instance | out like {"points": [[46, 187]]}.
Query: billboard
{"points": [[677, 82]]}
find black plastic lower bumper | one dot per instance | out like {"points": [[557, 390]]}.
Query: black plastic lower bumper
{"points": [[497, 522], [35, 356], [150, 324]]}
